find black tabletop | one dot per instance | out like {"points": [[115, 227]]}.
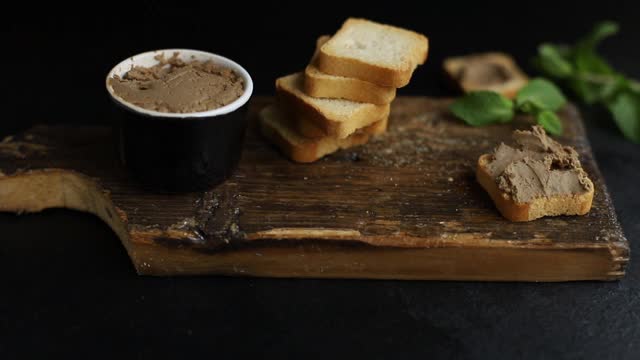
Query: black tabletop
{"points": [[69, 288]]}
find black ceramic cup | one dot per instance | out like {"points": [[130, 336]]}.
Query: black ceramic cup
{"points": [[180, 152]]}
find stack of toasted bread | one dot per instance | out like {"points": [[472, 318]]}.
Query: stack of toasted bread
{"points": [[344, 96]]}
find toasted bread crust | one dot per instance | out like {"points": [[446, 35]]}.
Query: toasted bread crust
{"points": [[321, 85], [346, 88], [335, 64], [339, 66], [310, 129], [314, 149], [571, 204], [318, 124], [297, 154]]}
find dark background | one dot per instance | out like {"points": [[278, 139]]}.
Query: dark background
{"points": [[70, 289]]}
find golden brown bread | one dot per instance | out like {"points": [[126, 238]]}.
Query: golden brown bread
{"points": [[321, 85], [570, 204], [277, 126], [325, 117], [382, 54]]}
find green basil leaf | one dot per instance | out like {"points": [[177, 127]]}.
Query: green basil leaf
{"points": [[482, 108], [600, 32], [586, 60], [564, 50], [612, 87], [585, 57], [529, 107], [540, 94], [585, 90], [550, 122], [625, 108], [592, 79], [552, 62], [593, 88]]}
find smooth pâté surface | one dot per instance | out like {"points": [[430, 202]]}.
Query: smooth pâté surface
{"points": [[406, 205]]}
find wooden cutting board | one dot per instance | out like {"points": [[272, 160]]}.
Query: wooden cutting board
{"points": [[404, 206]]}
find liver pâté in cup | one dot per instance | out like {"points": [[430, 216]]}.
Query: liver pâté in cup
{"points": [[181, 117]]}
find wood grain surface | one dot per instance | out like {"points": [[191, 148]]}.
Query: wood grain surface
{"points": [[404, 206]]}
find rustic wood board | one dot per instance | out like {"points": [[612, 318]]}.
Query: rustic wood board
{"points": [[404, 206]]}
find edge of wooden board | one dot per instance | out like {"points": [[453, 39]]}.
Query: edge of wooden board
{"points": [[298, 252]]}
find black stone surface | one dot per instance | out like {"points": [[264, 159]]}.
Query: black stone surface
{"points": [[69, 289]]}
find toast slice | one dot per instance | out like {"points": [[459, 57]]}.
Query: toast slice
{"points": [[325, 117], [492, 71], [276, 125], [382, 54], [568, 204], [538, 177], [321, 85], [304, 126]]}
